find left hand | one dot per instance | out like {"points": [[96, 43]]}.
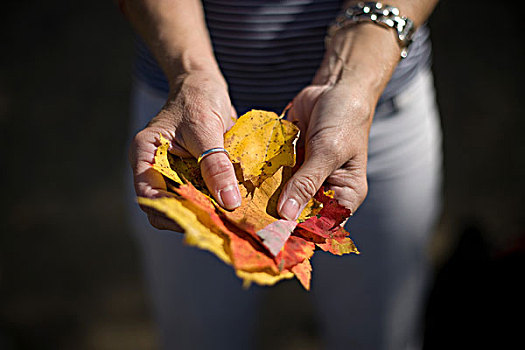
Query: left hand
{"points": [[335, 121]]}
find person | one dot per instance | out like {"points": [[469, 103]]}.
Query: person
{"points": [[370, 128]]}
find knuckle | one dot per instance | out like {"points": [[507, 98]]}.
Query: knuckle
{"points": [[305, 187], [138, 139]]}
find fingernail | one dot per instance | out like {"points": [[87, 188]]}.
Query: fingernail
{"points": [[230, 196], [290, 209]]}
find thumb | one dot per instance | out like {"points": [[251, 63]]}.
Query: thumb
{"points": [[303, 185], [219, 175], [216, 168]]}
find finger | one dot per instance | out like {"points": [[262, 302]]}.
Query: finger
{"points": [[148, 182], [229, 122], [162, 223], [302, 106], [216, 168], [350, 174], [158, 219], [348, 197], [350, 183], [298, 116], [219, 176], [303, 185], [178, 150]]}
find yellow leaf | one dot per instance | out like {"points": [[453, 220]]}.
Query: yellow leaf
{"points": [[261, 201], [162, 164], [261, 142], [259, 205], [196, 234], [189, 170], [339, 246], [263, 277], [312, 209]]}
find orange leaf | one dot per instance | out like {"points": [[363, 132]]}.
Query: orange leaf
{"points": [[339, 246], [259, 205], [303, 272], [246, 253]]}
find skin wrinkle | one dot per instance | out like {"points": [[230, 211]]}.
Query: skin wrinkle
{"points": [[306, 187], [339, 180], [216, 168], [346, 178]]}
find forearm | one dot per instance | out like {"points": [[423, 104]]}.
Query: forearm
{"points": [[176, 33], [366, 53]]}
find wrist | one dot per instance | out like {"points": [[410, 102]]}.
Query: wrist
{"points": [[363, 55], [193, 63]]}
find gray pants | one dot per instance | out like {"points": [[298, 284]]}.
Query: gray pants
{"points": [[370, 301]]}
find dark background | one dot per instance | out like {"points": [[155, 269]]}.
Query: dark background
{"points": [[69, 267]]}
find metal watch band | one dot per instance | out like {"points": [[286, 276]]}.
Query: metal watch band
{"points": [[376, 12]]}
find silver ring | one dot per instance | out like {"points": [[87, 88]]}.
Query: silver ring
{"points": [[211, 151]]}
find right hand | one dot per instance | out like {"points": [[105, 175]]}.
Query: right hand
{"points": [[194, 119]]}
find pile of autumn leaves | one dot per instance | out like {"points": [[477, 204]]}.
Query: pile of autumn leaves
{"points": [[261, 247]]}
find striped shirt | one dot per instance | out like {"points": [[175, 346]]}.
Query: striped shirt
{"points": [[269, 50]]}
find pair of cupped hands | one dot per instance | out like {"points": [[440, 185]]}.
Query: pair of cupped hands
{"points": [[334, 119]]}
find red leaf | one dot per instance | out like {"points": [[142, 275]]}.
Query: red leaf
{"points": [[309, 235], [329, 218], [295, 250], [332, 211]]}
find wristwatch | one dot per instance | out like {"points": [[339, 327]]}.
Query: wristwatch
{"points": [[378, 13]]}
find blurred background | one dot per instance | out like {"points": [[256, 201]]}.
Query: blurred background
{"points": [[69, 268]]}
